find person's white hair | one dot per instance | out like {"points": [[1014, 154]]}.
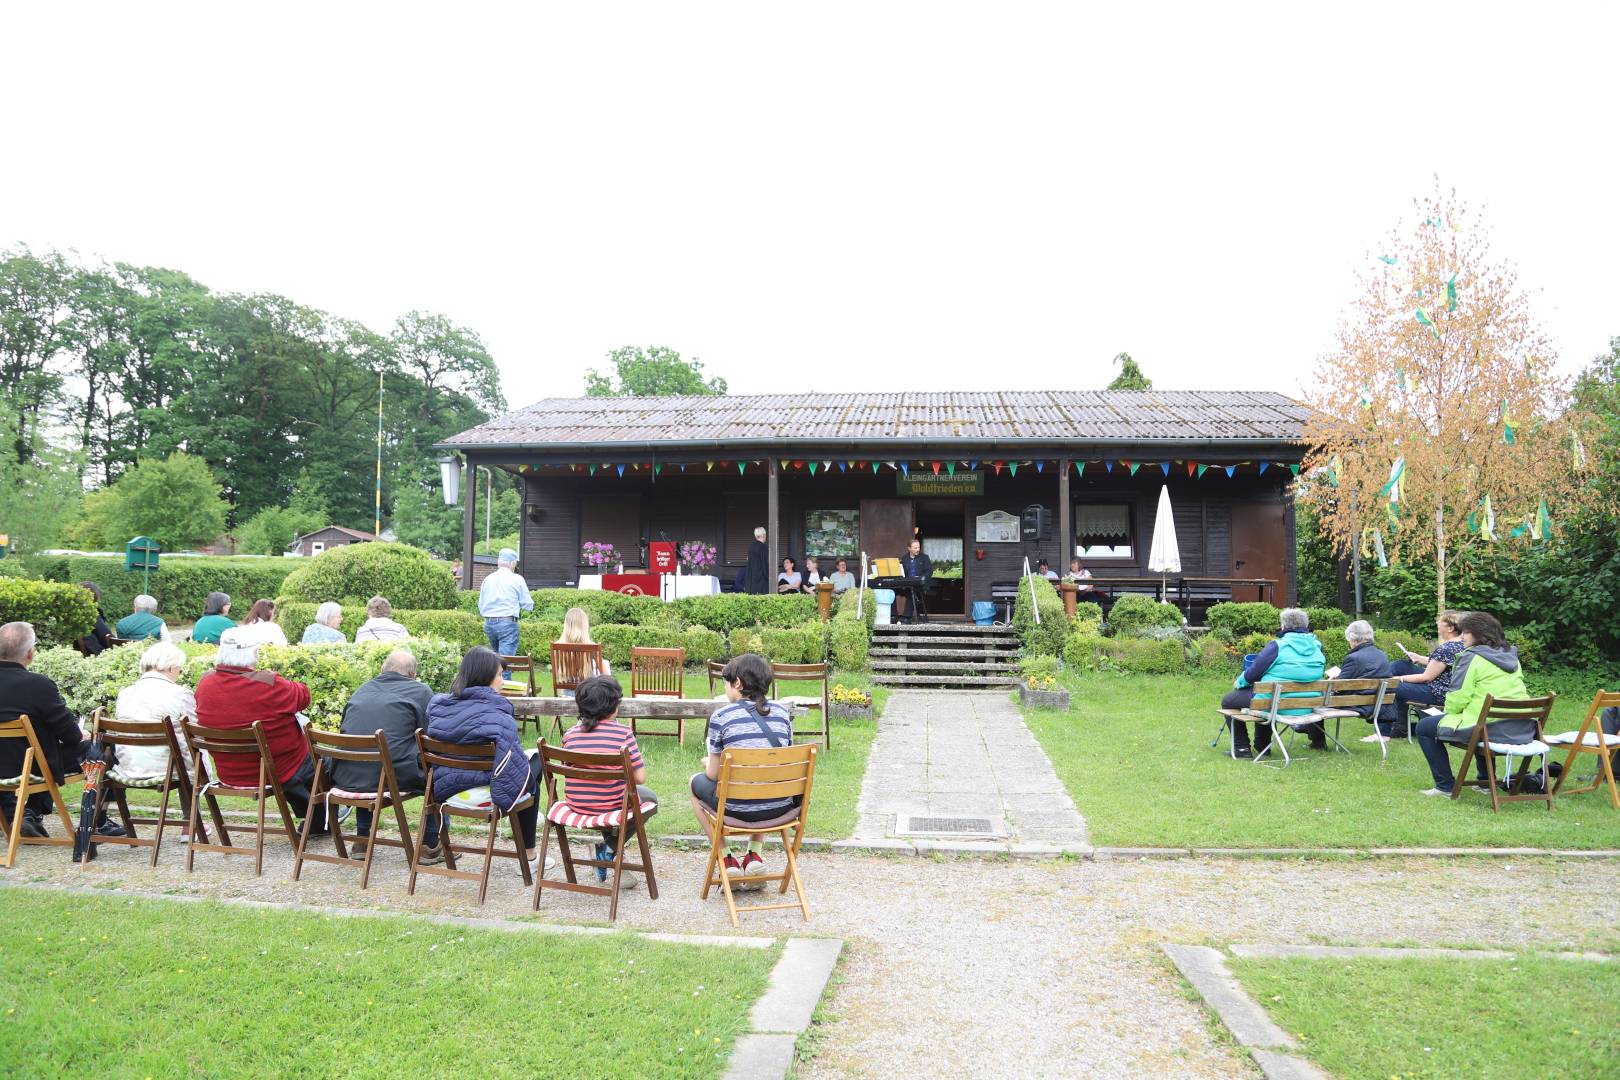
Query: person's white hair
{"points": [[164, 656], [1294, 618], [146, 603], [16, 641], [401, 662], [759, 532], [234, 652], [326, 611], [1359, 632]]}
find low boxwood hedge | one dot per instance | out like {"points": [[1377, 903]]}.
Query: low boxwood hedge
{"points": [[180, 585], [1238, 620], [60, 614], [1134, 613], [409, 577]]}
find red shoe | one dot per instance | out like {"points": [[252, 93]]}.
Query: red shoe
{"points": [[732, 870], [753, 868]]}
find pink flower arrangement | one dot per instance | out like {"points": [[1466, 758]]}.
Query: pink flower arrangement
{"points": [[697, 556], [593, 553]]}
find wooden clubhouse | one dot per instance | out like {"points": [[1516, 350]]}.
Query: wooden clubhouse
{"points": [[833, 475]]}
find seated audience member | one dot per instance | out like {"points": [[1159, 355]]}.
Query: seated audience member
{"points": [[1487, 665], [474, 713], [789, 580], [576, 630], [1426, 680], [599, 732], [234, 695], [216, 619], [1293, 656], [812, 574], [142, 621], [100, 636], [1045, 571], [261, 628], [379, 626], [65, 744], [1367, 661], [746, 721], [395, 703], [157, 695], [842, 579], [324, 630], [1079, 575]]}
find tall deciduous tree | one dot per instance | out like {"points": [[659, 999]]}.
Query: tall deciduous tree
{"points": [[655, 371], [174, 500], [1130, 376], [1440, 421]]}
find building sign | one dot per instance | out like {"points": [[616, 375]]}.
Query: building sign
{"points": [[927, 484], [996, 527]]}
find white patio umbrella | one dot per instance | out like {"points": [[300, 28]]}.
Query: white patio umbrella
{"points": [[1164, 557]]}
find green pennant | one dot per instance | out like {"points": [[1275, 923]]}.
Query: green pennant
{"points": [[1013, 465], [1423, 317], [950, 468], [813, 468], [1079, 468], [1451, 293], [1293, 467], [1202, 469], [741, 467], [1134, 466]]}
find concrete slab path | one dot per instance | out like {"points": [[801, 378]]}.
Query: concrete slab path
{"points": [[964, 755]]}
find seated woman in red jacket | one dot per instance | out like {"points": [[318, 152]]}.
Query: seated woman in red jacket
{"points": [[234, 695]]}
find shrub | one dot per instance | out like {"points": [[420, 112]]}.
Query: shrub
{"points": [[1252, 643], [1040, 666], [850, 599], [1088, 616], [535, 637], [1327, 618], [1082, 650], [850, 642], [1241, 619], [61, 614], [459, 627], [88, 683], [702, 645], [1211, 652], [617, 639], [1144, 656], [409, 577], [1134, 613], [724, 612], [180, 585], [1045, 638], [795, 645], [656, 613], [602, 607], [1334, 646], [467, 600], [746, 639]]}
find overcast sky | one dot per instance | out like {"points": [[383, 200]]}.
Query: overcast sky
{"points": [[830, 196]]}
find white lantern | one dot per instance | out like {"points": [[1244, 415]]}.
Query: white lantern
{"points": [[450, 479]]}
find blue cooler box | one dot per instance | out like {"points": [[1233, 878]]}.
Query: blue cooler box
{"points": [[984, 612], [885, 605]]}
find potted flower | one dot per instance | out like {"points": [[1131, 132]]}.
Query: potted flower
{"points": [[850, 702], [597, 555], [1043, 692], [696, 557]]}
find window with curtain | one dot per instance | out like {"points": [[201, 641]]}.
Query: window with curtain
{"points": [[1103, 531]]}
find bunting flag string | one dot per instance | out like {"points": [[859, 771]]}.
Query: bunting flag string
{"points": [[658, 467], [1400, 379], [1334, 466], [972, 465], [813, 465], [843, 466], [1487, 518], [1079, 469], [1293, 467], [1040, 466], [1191, 465], [593, 469], [1230, 469], [905, 469], [1263, 466], [1012, 467], [708, 466], [1365, 401], [742, 466], [1108, 463], [1165, 465], [1519, 530], [621, 471], [1543, 529], [1388, 260], [936, 468], [1395, 486], [950, 469]]}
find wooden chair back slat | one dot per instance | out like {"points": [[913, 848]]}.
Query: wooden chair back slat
{"points": [[1283, 696], [1516, 721], [519, 669], [572, 664], [811, 673], [437, 752], [657, 672], [715, 669], [457, 756], [337, 746], [578, 765], [113, 733]]}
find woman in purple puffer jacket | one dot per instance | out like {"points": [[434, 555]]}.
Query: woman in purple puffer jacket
{"points": [[474, 712]]}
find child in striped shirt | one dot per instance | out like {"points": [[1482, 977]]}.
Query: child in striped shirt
{"points": [[599, 732]]}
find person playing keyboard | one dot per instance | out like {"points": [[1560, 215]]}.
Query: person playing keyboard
{"points": [[914, 564]]}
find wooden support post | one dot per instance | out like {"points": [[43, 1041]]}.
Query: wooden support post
{"points": [[1065, 536], [773, 510], [469, 511]]}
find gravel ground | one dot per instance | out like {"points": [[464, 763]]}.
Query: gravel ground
{"points": [[965, 967]]}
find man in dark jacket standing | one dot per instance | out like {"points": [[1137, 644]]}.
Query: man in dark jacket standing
{"points": [[25, 693], [759, 564], [395, 703], [1367, 661]]}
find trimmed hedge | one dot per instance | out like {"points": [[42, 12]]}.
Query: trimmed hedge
{"points": [[849, 641], [1047, 637], [618, 639], [409, 577], [702, 645], [1134, 613], [1238, 620], [180, 585], [1145, 656], [848, 602], [1327, 618], [794, 645], [1088, 614], [61, 614], [1082, 650]]}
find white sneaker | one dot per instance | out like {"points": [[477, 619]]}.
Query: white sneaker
{"points": [[1435, 792], [1375, 737], [553, 867]]}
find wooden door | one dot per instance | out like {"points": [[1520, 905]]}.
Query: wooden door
{"points": [[886, 528], [1260, 546]]}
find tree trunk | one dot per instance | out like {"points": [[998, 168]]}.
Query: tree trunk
{"points": [[1439, 557]]}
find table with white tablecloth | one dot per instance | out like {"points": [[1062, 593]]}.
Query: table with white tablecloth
{"points": [[674, 586]]}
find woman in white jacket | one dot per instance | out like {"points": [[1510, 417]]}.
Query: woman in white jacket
{"points": [[156, 695]]}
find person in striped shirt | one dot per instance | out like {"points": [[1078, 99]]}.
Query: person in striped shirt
{"points": [[599, 732], [746, 721]]}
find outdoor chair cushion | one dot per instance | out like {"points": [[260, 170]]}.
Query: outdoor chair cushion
{"points": [[135, 781], [1567, 738], [784, 818], [1519, 749], [560, 813]]}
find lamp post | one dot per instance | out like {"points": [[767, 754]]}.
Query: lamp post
{"points": [[450, 479]]}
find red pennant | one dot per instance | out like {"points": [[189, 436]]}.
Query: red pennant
{"points": [[798, 464], [998, 468], [936, 468], [1191, 465]]}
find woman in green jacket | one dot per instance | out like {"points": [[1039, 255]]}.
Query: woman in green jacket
{"points": [[1487, 666]]}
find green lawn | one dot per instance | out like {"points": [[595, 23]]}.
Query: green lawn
{"points": [[1134, 752], [146, 988], [1426, 1019]]}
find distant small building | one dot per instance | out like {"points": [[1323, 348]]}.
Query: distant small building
{"points": [[326, 539]]}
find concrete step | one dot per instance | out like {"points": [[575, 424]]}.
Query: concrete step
{"points": [[965, 668], [946, 653], [945, 682], [943, 640], [942, 628]]}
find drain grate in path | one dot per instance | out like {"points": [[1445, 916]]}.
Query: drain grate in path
{"points": [[916, 825]]}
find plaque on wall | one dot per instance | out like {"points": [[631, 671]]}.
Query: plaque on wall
{"points": [[832, 532], [996, 527]]}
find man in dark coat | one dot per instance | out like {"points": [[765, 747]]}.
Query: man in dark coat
{"points": [[914, 564], [395, 703], [25, 693], [759, 563]]}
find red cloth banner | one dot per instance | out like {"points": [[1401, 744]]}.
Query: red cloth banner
{"points": [[631, 584], [661, 553]]}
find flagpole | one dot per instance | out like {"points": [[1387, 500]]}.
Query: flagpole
{"points": [[377, 523]]}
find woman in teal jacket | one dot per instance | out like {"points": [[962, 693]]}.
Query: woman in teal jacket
{"points": [[1293, 656]]}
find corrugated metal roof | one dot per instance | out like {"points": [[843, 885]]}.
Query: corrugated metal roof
{"points": [[1045, 416]]}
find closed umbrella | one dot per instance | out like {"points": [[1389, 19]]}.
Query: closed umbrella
{"points": [[1165, 556]]}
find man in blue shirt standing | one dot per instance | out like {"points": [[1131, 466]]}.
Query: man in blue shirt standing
{"points": [[501, 597]]}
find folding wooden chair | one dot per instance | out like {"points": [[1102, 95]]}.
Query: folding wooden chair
{"points": [[570, 666], [479, 758], [769, 773], [821, 673], [330, 746], [715, 669], [35, 774], [225, 743], [1347, 696], [1513, 729], [520, 670], [572, 765], [1591, 739], [116, 785], [658, 673]]}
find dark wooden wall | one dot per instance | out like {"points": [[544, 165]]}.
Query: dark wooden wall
{"points": [[694, 505]]}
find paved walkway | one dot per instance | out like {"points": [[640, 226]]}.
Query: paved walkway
{"points": [[964, 755]]}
